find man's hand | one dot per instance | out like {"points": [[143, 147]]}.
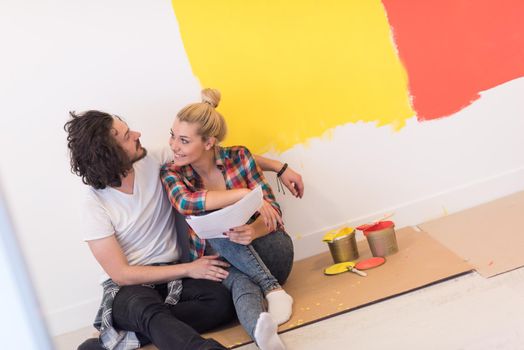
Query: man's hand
{"points": [[270, 216], [293, 181], [208, 267], [244, 234]]}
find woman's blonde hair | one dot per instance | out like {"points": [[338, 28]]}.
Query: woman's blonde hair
{"points": [[212, 123]]}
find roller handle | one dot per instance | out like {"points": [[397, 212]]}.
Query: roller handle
{"points": [[358, 272]]}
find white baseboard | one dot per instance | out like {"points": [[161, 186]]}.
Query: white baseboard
{"points": [[424, 209], [74, 317]]}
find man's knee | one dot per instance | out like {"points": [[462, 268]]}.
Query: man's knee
{"points": [[135, 297]]}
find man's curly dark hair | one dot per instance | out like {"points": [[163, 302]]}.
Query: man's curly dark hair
{"points": [[95, 154]]}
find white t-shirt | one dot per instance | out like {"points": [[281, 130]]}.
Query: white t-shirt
{"points": [[143, 222]]}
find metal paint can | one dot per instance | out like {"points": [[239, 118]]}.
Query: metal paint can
{"points": [[381, 238], [342, 244]]}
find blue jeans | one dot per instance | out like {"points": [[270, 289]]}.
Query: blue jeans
{"points": [[276, 252], [245, 259]]}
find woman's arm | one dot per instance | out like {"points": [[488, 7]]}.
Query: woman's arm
{"points": [[290, 178], [268, 164], [191, 202], [221, 199], [110, 256]]}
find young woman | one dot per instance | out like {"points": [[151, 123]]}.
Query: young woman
{"points": [[205, 176]]}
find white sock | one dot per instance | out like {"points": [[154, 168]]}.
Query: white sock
{"points": [[279, 305], [266, 334]]}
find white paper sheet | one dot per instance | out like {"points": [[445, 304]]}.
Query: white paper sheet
{"points": [[214, 224]]}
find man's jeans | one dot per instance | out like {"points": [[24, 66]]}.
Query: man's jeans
{"points": [[203, 305]]}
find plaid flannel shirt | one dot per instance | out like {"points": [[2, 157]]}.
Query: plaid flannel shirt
{"points": [[187, 194]]}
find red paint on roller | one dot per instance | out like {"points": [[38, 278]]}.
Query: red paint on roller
{"points": [[454, 49]]}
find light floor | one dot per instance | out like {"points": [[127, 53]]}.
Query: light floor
{"points": [[469, 312]]}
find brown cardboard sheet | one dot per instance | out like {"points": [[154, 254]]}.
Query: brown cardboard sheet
{"points": [[420, 261], [490, 236]]}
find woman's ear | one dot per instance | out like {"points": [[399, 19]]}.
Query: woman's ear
{"points": [[210, 142]]}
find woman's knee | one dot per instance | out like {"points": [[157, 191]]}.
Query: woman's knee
{"points": [[287, 257], [276, 250]]}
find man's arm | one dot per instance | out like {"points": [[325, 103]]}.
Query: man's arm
{"points": [[290, 178], [110, 256]]}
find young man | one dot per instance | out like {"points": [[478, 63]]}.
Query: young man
{"points": [[130, 229]]}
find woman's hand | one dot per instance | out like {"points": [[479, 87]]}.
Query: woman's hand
{"points": [[244, 234], [293, 181], [208, 267], [271, 217]]}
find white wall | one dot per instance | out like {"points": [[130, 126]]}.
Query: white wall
{"points": [[358, 172], [126, 57]]}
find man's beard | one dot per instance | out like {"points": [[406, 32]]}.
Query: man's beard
{"points": [[136, 159], [132, 161]]}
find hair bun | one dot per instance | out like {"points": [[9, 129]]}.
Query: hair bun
{"points": [[211, 97]]}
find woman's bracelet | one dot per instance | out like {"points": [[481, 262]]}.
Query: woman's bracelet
{"points": [[280, 185], [284, 167]]}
